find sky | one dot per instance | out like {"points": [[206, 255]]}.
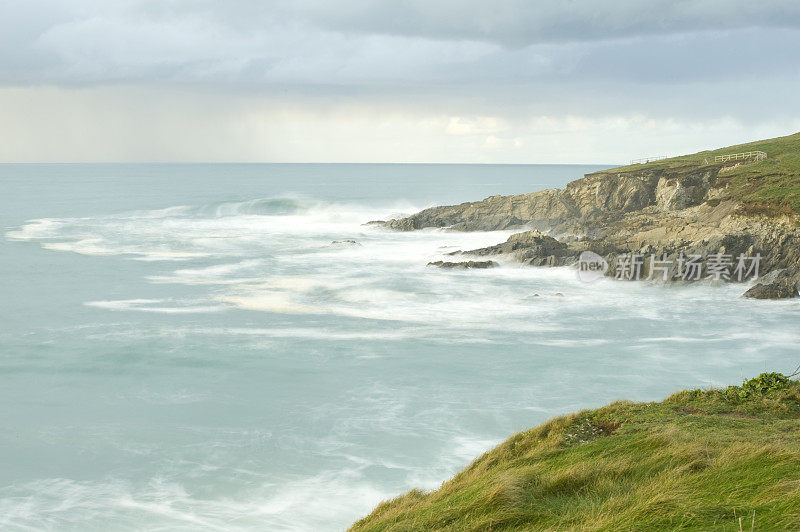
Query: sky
{"points": [[461, 81]]}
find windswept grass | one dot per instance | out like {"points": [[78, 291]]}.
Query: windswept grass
{"points": [[768, 187], [699, 460]]}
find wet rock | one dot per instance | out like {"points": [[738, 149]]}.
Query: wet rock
{"points": [[469, 264], [780, 284], [345, 243], [533, 247]]}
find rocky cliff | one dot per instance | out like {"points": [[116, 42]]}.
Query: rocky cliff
{"points": [[685, 206], [596, 199]]}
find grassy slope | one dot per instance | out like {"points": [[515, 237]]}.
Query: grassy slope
{"points": [[699, 460], [771, 186]]}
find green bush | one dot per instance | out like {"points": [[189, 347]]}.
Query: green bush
{"points": [[764, 383]]}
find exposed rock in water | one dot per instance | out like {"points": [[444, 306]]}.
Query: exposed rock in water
{"points": [[375, 222], [469, 264], [345, 243], [780, 284], [532, 247], [777, 246]]}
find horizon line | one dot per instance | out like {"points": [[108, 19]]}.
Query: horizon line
{"points": [[306, 162]]}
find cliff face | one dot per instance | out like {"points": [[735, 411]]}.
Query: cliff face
{"points": [[538, 209], [670, 210], [768, 187], [595, 198]]}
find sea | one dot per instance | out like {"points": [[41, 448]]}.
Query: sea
{"points": [[182, 346]]}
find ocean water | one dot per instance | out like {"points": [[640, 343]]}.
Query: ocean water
{"points": [[182, 347]]}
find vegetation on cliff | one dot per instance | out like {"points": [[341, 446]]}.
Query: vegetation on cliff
{"points": [[699, 460], [771, 186]]}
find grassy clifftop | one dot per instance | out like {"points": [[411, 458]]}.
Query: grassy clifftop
{"points": [[699, 460], [771, 186]]}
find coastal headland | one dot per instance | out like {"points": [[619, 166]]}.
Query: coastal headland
{"points": [[731, 204]]}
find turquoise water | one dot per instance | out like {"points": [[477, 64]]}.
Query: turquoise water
{"points": [[181, 346]]}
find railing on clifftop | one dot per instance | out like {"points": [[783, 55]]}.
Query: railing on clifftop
{"points": [[755, 155], [648, 159]]}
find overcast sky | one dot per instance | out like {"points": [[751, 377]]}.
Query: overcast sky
{"points": [[501, 81]]}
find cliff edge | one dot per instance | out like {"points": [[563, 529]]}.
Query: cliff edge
{"points": [[722, 459]]}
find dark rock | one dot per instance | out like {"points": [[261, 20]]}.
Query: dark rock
{"points": [[771, 291], [469, 264], [345, 243], [780, 284], [532, 247]]}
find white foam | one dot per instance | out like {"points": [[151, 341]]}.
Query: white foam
{"points": [[181, 232], [327, 501], [37, 229], [155, 305]]}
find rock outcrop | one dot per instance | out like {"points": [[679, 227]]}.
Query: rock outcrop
{"points": [[545, 209], [531, 247], [597, 198], [666, 213], [779, 284]]}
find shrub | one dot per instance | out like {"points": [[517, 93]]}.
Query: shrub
{"points": [[764, 383]]}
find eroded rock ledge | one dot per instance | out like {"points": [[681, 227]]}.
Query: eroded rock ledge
{"points": [[597, 198]]}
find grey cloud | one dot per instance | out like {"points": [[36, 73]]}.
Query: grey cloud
{"points": [[365, 43], [513, 23], [525, 22], [687, 58]]}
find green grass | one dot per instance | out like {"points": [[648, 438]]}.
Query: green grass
{"points": [[699, 460], [769, 187]]}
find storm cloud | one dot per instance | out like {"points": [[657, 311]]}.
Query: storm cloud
{"points": [[517, 62]]}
